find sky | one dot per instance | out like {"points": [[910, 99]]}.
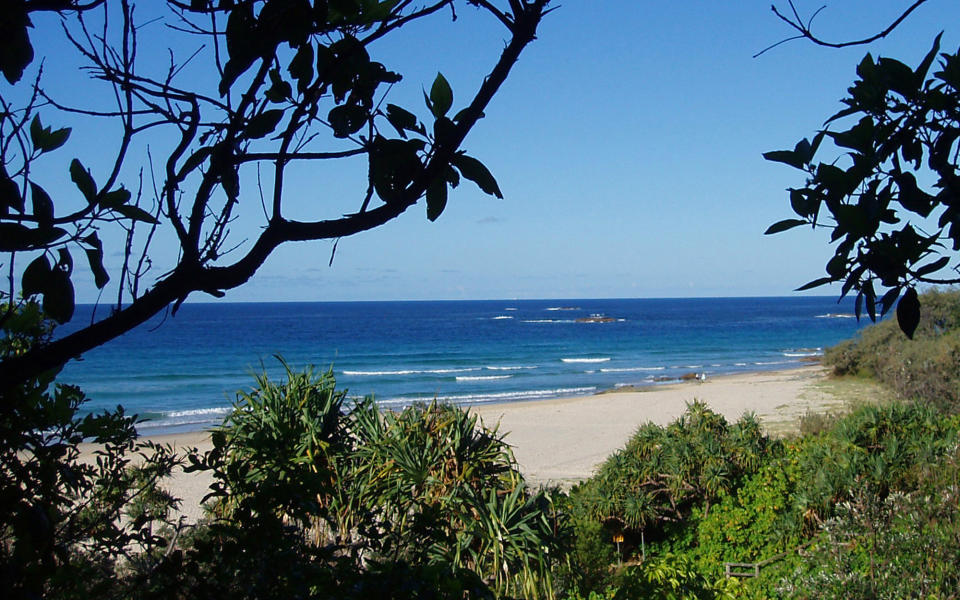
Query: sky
{"points": [[627, 142]]}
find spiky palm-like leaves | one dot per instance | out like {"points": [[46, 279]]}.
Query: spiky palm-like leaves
{"points": [[663, 471], [450, 491], [427, 487]]}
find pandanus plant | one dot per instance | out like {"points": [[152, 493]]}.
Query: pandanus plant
{"points": [[663, 472], [428, 485]]}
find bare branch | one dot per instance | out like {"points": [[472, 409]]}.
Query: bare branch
{"points": [[805, 29]]}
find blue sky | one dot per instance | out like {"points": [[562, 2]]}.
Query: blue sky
{"points": [[628, 145]]}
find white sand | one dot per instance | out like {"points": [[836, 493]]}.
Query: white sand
{"points": [[562, 441]]}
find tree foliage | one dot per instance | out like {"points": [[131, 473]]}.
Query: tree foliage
{"points": [[890, 200], [67, 522], [275, 84]]}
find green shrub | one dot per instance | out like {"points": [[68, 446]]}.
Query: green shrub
{"points": [[925, 369], [897, 545], [360, 501], [70, 527], [663, 472]]}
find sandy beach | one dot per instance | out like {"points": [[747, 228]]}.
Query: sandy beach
{"points": [[561, 441]]}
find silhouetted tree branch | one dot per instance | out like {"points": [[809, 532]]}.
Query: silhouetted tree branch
{"points": [[294, 82], [805, 28]]}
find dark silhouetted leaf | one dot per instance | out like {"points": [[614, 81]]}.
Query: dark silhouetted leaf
{"points": [[15, 237], [889, 299], [815, 283], [95, 260], [800, 203], [263, 124], [347, 119], [443, 130], [402, 120], [837, 266], [898, 77], [196, 159], [242, 39], [35, 276], [462, 114], [436, 198], [83, 180], [783, 226], [65, 264], [44, 139], [15, 51], [441, 96], [870, 297], [933, 267], [279, 90], [475, 171], [301, 67], [42, 204], [136, 213], [452, 176], [908, 312], [787, 157], [9, 194], [230, 180], [393, 165], [924, 67], [115, 199], [58, 301]]}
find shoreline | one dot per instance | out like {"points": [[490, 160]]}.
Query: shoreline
{"points": [[561, 441], [158, 430]]}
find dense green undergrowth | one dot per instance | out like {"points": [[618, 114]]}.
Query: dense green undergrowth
{"points": [[812, 510]]}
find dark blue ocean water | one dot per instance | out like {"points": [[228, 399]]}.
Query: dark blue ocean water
{"points": [[182, 372]]}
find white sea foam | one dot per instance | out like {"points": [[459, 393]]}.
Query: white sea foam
{"points": [[586, 360], [196, 412], [837, 316], [549, 321], [773, 362], [510, 308], [509, 368], [502, 317], [184, 418], [482, 377], [519, 395], [803, 352], [740, 364], [410, 372], [553, 308], [632, 369]]}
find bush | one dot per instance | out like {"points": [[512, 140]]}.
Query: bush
{"points": [[73, 528], [898, 545], [926, 368], [361, 501]]}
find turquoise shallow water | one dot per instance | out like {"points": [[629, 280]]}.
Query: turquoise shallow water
{"points": [[182, 372]]}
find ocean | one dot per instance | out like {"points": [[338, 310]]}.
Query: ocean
{"points": [[181, 373]]}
